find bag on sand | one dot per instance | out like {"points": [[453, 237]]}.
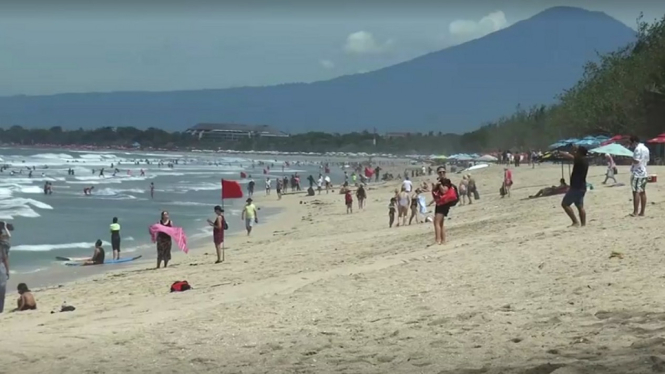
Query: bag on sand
{"points": [[180, 286], [476, 195]]}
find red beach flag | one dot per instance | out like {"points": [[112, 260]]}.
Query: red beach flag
{"points": [[231, 190]]}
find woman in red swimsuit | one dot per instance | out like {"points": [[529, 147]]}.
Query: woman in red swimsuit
{"points": [[218, 233]]}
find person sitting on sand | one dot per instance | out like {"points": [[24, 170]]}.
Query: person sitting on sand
{"points": [[551, 191], [26, 300], [97, 255]]}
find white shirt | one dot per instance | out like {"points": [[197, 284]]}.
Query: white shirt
{"points": [[408, 186], [640, 154], [268, 183]]}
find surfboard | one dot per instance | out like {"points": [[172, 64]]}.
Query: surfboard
{"points": [[474, 167], [106, 262], [74, 259]]}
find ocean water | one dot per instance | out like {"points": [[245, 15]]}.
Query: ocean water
{"points": [[67, 223]]}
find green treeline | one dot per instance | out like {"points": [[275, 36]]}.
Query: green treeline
{"points": [[624, 93]]}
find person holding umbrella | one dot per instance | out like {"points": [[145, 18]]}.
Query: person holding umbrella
{"points": [[577, 190]]}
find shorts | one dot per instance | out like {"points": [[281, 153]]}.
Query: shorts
{"points": [[249, 222], [442, 209], [574, 196], [638, 184]]}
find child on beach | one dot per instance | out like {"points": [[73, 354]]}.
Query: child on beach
{"points": [[348, 199], [26, 300], [391, 211]]}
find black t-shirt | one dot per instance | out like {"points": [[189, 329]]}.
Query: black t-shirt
{"points": [[578, 177]]}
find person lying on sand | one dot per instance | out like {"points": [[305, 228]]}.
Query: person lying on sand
{"points": [[97, 255], [26, 300], [551, 191]]}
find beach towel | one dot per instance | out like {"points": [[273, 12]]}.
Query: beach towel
{"points": [[422, 205], [176, 233]]}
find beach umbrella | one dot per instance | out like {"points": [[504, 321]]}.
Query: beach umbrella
{"points": [[614, 150], [660, 139], [614, 139]]}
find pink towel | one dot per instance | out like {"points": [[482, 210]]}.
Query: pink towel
{"points": [[176, 233]]}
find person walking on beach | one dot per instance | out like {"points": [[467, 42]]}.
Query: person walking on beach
{"points": [[444, 196], [115, 238], [577, 189], [638, 178], [507, 181], [414, 206], [611, 169], [250, 216], [403, 203], [361, 194], [348, 200], [250, 187], [164, 241], [5, 236], [279, 188], [218, 227], [268, 183]]}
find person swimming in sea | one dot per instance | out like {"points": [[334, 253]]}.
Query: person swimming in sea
{"points": [[115, 238]]}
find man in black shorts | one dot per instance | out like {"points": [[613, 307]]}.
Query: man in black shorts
{"points": [[577, 190]]}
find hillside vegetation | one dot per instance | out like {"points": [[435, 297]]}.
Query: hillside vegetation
{"points": [[623, 93]]}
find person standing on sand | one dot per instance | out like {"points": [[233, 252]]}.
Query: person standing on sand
{"points": [[250, 187], [115, 238], [403, 203], [639, 176], [348, 200], [268, 183], [361, 195], [577, 189], [611, 166], [5, 236], [507, 181], [164, 241], [440, 198], [250, 216], [218, 227], [414, 206]]}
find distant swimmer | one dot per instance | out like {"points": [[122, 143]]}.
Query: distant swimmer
{"points": [[101, 172], [115, 238], [152, 190], [88, 190], [142, 173]]}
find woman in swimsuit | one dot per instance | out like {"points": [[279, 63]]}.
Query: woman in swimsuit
{"points": [[414, 206], [464, 190], [164, 242], [403, 202], [218, 233]]}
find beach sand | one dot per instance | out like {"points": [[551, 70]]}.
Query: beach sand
{"points": [[515, 290]]}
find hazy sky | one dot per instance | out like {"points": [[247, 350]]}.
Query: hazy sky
{"points": [[78, 46]]}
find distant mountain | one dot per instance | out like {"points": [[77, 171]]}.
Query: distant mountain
{"points": [[452, 90]]}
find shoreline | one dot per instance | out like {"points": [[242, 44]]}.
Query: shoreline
{"points": [[59, 275]]}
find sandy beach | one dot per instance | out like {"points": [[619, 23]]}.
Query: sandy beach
{"points": [[514, 290]]}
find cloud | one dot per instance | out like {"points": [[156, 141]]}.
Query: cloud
{"points": [[327, 64], [363, 42], [466, 29]]}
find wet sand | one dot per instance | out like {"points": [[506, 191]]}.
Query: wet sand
{"points": [[515, 290]]}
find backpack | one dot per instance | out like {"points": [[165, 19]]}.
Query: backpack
{"points": [[180, 286]]}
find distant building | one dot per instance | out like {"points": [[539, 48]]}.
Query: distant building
{"points": [[233, 132], [397, 134]]}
